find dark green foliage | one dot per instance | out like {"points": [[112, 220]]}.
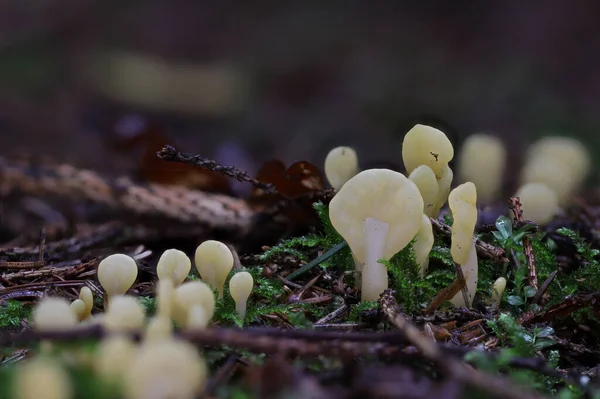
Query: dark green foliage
{"points": [[13, 313], [588, 274], [149, 305]]}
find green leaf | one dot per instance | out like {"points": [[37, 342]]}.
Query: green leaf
{"points": [[515, 300], [544, 332], [543, 343], [529, 291], [504, 226]]}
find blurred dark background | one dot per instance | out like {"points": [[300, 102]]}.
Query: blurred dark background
{"points": [[246, 81]]}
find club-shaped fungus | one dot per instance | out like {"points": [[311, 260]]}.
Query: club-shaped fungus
{"points": [[125, 314], [538, 202], [240, 287], [41, 378], [341, 164], [463, 205], [214, 261], [159, 327], [482, 160], [86, 295], [116, 274], [444, 185], [166, 369], [78, 308], [425, 145], [53, 314], [113, 358], [428, 185], [174, 265], [190, 294], [498, 289], [560, 163], [378, 212], [423, 244]]}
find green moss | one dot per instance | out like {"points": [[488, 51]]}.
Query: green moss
{"points": [[13, 313]]}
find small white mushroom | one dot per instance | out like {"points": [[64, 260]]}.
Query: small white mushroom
{"points": [[125, 314], [53, 314], [378, 212], [116, 274], [428, 185], [498, 289], [341, 164], [214, 261], [190, 294], [39, 378], [423, 244], [174, 265], [425, 145], [539, 202], [240, 287]]}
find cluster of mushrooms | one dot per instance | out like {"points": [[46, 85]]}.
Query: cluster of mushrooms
{"points": [[377, 211], [161, 366]]}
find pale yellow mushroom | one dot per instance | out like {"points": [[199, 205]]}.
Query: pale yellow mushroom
{"points": [[341, 164], [116, 274], [174, 265], [378, 212], [78, 308], [444, 183], [498, 289], [113, 358], [41, 378], [125, 314], [240, 287], [423, 244], [428, 185], [482, 161], [561, 163], [538, 202], [425, 145], [166, 369], [214, 261], [165, 290], [86, 295], [190, 294], [53, 314], [159, 327], [463, 205]]}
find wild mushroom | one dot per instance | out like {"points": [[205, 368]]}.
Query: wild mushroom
{"points": [[116, 274], [378, 212], [539, 202], [498, 289], [190, 294], [341, 164], [214, 261], [53, 314], [425, 145], [174, 265], [113, 357], [463, 204], [482, 161], [240, 287], [423, 244], [428, 185], [125, 314], [166, 369], [41, 377]]}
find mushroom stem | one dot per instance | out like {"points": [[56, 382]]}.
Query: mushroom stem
{"points": [[240, 308], [374, 274]]}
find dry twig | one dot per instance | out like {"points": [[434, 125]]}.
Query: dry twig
{"points": [[515, 206]]}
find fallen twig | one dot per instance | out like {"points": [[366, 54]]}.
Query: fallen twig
{"points": [[515, 206]]}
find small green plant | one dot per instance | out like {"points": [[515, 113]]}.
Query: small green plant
{"points": [[13, 313]]}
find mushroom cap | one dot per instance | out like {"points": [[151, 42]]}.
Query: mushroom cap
{"points": [[86, 295], [117, 273], [482, 161], [166, 369], [125, 313], [382, 194], [341, 164], [425, 145], [240, 286], [189, 294], [428, 186], [41, 377], [213, 260], [566, 151], [175, 265], [53, 314], [539, 202]]}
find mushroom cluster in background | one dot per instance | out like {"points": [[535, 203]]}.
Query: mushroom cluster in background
{"points": [[161, 365]]}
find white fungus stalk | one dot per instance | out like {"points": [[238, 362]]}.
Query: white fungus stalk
{"points": [[374, 274], [425, 179], [462, 201], [240, 287], [378, 212], [423, 244]]}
